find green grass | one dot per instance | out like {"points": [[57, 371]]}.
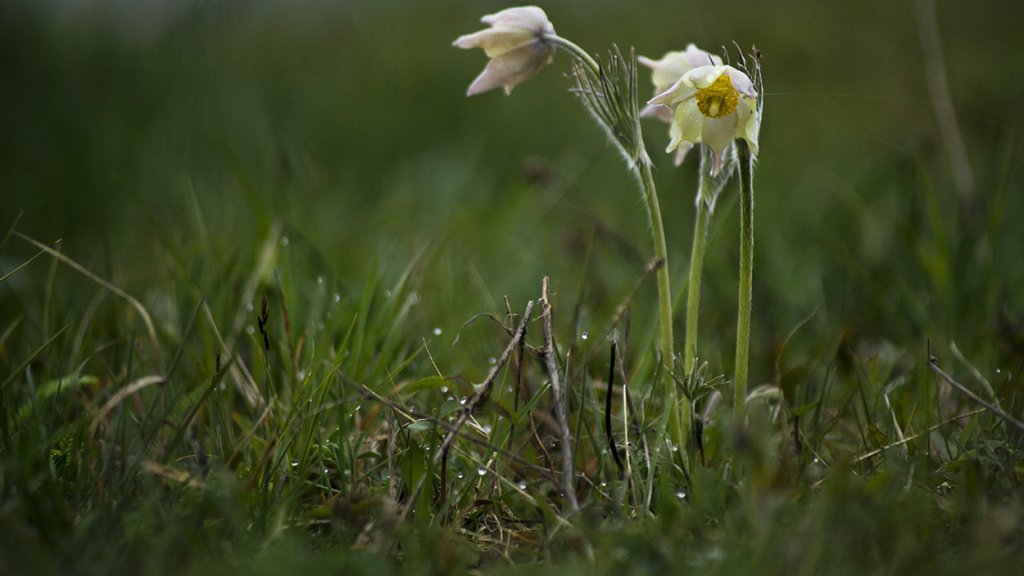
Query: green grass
{"points": [[321, 163]]}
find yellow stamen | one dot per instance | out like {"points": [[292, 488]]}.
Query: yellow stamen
{"points": [[718, 100]]}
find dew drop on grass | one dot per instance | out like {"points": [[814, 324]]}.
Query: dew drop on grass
{"points": [[387, 293], [337, 297], [444, 389], [681, 495], [481, 471], [284, 240], [604, 484], [437, 331], [462, 400], [460, 475], [250, 329], [492, 360], [486, 428], [320, 280], [585, 335], [522, 485]]}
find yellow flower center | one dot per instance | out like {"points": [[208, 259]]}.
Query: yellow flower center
{"points": [[719, 99]]}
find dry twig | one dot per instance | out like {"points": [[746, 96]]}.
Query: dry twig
{"points": [[482, 393], [967, 392]]}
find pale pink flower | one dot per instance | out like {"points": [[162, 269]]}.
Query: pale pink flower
{"points": [[518, 44]]}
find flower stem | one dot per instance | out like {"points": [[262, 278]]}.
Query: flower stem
{"points": [[678, 413], [610, 95], [700, 234], [574, 49], [746, 162]]}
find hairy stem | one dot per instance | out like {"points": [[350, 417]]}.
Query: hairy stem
{"points": [[610, 95], [700, 235], [746, 161], [679, 414], [574, 49]]}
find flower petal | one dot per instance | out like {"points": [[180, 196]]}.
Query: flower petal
{"points": [[663, 113], [529, 18], [686, 125], [681, 152], [495, 41], [719, 132], [741, 82], [704, 76], [511, 68], [748, 124], [667, 70], [697, 57], [678, 92]]}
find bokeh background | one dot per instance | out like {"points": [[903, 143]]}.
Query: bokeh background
{"points": [[161, 141]]}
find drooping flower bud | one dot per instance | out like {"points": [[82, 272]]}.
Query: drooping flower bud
{"points": [[517, 43]]}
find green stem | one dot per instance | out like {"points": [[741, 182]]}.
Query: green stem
{"points": [[574, 49], [679, 413], [746, 162], [700, 235]]}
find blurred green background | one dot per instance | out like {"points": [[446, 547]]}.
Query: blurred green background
{"points": [[151, 135]]}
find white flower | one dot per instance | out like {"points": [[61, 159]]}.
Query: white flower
{"points": [[666, 72], [517, 44], [712, 104], [669, 69]]}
